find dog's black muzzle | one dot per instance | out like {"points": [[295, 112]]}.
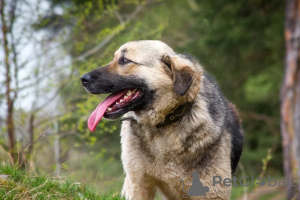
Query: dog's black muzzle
{"points": [[102, 81], [99, 81]]}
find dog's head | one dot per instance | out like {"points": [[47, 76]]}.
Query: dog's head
{"points": [[147, 77]]}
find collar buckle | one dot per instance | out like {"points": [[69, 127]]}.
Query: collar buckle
{"points": [[176, 115]]}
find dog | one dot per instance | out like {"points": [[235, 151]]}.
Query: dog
{"points": [[175, 121]]}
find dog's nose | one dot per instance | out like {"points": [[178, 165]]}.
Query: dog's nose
{"points": [[85, 78]]}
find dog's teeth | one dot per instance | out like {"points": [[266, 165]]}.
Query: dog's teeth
{"points": [[117, 103], [109, 109], [129, 93], [121, 100]]}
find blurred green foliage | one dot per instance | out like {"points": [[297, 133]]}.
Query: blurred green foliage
{"points": [[239, 42]]}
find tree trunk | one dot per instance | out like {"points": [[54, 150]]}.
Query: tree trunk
{"points": [[31, 133], [57, 149], [290, 99], [9, 99]]}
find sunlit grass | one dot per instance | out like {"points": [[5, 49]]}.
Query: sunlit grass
{"points": [[17, 184]]}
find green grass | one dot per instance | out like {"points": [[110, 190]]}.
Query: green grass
{"points": [[18, 184]]}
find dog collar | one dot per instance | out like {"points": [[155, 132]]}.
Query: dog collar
{"points": [[176, 115]]}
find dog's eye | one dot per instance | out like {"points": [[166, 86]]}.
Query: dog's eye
{"points": [[124, 61]]}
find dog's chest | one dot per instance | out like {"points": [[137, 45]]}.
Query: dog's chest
{"points": [[157, 146]]}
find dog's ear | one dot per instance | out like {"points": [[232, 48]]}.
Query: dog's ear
{"points": [[183, 74]]}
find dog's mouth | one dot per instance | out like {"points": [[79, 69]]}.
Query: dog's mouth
{"points": [[115, 105]]}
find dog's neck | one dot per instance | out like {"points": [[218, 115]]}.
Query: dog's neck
{"points": [[176, 115]]}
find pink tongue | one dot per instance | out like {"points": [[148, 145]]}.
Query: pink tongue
{"points": [[98, 113]]}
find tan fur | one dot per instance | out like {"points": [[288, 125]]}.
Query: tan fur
{"points": [[157, 158]]}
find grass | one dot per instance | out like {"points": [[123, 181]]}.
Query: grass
{"points": [[18, 184]]}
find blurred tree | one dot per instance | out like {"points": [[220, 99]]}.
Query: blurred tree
{"points": [[290, 99], [28, 62], [7, 23]]}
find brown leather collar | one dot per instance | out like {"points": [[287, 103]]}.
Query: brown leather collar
{"points": [[170, 118], [176, 115]]}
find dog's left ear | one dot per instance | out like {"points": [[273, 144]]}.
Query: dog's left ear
{"points": [[183, 74]]}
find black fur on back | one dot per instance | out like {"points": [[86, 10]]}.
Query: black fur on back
{"points": [[225, 116], [233, 125]]}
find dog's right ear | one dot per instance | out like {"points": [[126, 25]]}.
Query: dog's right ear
{"points": [[183, 74]]}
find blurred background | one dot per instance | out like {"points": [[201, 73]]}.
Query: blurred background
{"points": [[47, 45]]}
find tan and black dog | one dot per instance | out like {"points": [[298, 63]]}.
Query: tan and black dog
{"points": [[176, 121]]}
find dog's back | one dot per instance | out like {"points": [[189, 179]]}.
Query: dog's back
{"points": [[219, 104]]}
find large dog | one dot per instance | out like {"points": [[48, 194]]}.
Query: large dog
{"points": [[176, 122]]}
